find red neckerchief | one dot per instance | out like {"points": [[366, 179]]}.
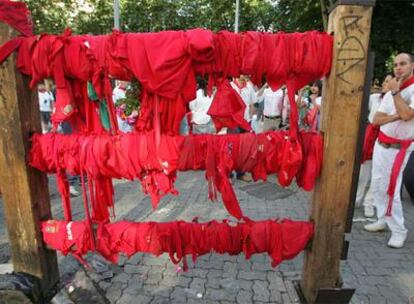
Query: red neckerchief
{"points": [[236, 82], [407, 83]]}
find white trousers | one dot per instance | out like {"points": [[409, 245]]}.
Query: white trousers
{"points": [[382, 163], [363, 194]]}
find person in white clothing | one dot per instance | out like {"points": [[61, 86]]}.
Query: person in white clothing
{"points": [[46, 103], [201, 121], [275, 106], [245, 88], [395, 116], [118, 93], [364, 195]]}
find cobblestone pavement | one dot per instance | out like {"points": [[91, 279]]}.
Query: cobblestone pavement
{"points": [[379, 274]]}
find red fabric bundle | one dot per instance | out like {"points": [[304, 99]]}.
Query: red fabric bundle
{"points": [[279, 239], [371, 135], [228, 53], [68, 237], [312, 144], [290, 161], [227, 108], [162, 65], [201, 48], [253, 57], [165, 63], [136, 155], [17, 15]]}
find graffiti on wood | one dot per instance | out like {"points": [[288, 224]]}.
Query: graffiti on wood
{"points": [[351, 51]]}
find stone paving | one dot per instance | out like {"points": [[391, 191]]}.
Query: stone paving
{"points": [[379, 274]]}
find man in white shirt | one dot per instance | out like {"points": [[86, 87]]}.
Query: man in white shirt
{"points": [[245, 88], [46, 102], [395, 116], [275, 107], [363, 195]]}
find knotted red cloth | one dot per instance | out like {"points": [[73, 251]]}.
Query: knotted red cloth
{"points": [[135, 155], [17, 15], [281, 240], [68, 237], [371, 135], [227, 108]]}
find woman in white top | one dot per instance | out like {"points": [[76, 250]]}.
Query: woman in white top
{"points": [[200, 120]]}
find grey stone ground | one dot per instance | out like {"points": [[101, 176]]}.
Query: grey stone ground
{"points": [[379, 274]]}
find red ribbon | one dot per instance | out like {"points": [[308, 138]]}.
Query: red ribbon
{"points": [[407, 83], [371, 135]]}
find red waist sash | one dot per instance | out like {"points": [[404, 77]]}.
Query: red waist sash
{"points": [[371, 135]]}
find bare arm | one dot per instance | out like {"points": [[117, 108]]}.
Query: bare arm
{"points": [[403, 110], [381, 118], [261, 91]]}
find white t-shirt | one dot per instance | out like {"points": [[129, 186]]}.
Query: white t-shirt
{"points": [[398, 129], [45, 101], [248, 94], [374, 103], [199, 108], [274, 102]]}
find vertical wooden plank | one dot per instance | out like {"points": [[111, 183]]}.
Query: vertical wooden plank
{"points": [[341, 111], [25, 191]]}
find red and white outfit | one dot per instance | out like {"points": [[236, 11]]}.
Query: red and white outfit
{"points": [[248, 94], [363, 197], [389, 208]]}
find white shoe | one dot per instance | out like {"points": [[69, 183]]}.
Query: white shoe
{"points": [[369, 211], [73, 191], [376, 227], [397, 239]]}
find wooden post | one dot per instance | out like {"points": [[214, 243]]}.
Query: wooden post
{"points": [[350, 22], [25, 190]]}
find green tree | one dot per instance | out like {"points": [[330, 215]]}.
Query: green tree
{"points": [[156, 15], [391, 32], [391, 25], [87, 16]]}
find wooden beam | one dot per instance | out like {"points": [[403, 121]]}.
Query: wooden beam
{"points": [[341, 111], [25, 190]]}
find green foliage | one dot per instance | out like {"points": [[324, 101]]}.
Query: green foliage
{"points": [[299, 16], [131, 102], [391, 33], [156, 15], [82, 16]]}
